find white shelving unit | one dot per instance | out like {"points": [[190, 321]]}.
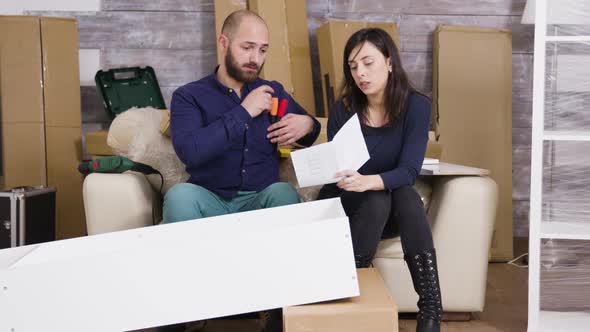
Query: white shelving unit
{"points": [[545, 229]]}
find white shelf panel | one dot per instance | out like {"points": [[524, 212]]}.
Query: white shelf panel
{"points": [[568, 39], [563, 230], [566, 135], [553, 321]]}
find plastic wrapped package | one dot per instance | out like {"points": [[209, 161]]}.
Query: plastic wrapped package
{"points": [[136, 135], [565, 264], [565, 275]]}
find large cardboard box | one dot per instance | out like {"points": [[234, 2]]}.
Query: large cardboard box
{"points": [[374, 310], [288, 60], [472, 91], [277, 66], [219, 266], [96, 143], [332, 38], [21, 103], [300, 56], [41, 111], [222, 10]]}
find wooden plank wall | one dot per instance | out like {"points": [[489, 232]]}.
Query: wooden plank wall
{"points": [[177, 38]]}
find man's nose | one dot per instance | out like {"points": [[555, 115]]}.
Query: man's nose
{"points": [[254, 57]]}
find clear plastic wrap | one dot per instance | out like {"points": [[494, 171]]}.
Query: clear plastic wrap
{"points": [[565, 225], [565, 275]]}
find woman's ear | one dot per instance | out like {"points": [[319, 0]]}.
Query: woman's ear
{"points": [[389, 65]]}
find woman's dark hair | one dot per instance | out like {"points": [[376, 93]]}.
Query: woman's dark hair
{"points": [[398, 86]]}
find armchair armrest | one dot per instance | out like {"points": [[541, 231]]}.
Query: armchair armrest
{"points": [[463, 212], [115, 202]]}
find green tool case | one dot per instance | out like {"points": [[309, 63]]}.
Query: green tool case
{"points": [[124, 88]]}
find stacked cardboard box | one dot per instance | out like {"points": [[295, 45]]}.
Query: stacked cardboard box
{"points": [[288, 59], [41, 117], [472, 91]]}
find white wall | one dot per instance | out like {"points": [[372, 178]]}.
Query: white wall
{"points": [[89, 59]]}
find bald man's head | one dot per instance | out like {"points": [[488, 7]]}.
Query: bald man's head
{"points": [[232, 23], [243, 44]]}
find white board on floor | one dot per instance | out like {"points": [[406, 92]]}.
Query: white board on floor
{"points": [[180, 272]]}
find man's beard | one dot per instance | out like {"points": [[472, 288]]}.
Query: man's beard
{"points": [[235, 71]]}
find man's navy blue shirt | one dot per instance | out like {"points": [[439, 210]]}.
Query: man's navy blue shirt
{"points": [[224, 149]]}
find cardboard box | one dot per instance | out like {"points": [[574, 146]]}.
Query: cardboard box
{"points": [[64, 149], [472, 90], [332, 38], [289, 59], [222, 10], [239, 263], [277, 66], [61, 73], [96, 143], [41, 112], [298, 38], [374, 310], [23, 156], [21, 94]]}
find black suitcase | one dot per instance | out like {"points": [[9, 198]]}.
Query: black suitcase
{"points": [[27, 216]]}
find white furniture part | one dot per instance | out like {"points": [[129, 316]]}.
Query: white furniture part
{"points": [[543, 225]]}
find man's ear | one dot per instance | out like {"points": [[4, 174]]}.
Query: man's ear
{"points": [[223, 43]]}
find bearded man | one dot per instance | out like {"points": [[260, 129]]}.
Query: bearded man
{"points": [[222, 132]]}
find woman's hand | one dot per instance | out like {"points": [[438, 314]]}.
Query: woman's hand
{"points": [[353, 181]]}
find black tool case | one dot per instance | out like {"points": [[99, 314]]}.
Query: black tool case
{"points": [[27, 216]]}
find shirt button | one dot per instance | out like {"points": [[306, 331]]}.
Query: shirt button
{"points": [[231, 90], [247, 126], [246, 150], [243, 171]]}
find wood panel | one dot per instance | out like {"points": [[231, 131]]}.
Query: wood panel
{"points": [[418, 66], [416, 30], [172, 67], [521, 167], [92, 106], [521, 217], [151, 5], [429, 7], [317, 6], [143, 30]]}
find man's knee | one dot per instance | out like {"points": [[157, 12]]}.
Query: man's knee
{"points": [[185, 192], [281, 193], [181, 202]]}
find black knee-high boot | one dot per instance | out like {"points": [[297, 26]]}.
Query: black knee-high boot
{"points": [[424, 272]]}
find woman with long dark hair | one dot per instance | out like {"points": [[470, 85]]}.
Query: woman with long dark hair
{"points": [[395, 120]]}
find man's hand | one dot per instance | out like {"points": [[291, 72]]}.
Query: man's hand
{"points": [[290, 129], [353, 181], [258, 100]]}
